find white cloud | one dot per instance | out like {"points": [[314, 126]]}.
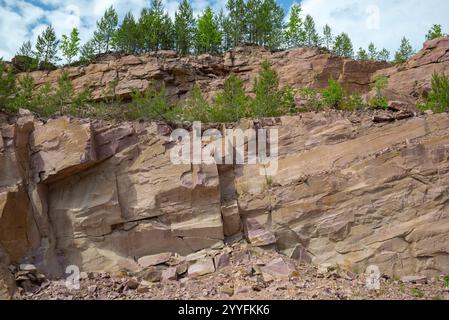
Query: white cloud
{"points": [[396, 18], [21, 20]]}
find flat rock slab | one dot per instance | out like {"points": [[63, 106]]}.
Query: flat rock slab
{"points": [[201, 267], [154, 260], [257, 234], [277, 269], [414, 279]]}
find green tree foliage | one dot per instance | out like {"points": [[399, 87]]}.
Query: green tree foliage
{"points": [[343, 46], [87, 52], [384, 55], [48, 101], [106, 29], [70, 45], [328, 38], [152, 104], [438, 98], [207, 34], [362, 55], [294, 33], [23, 97], [47, 48], [238, 19], [372, 52], [25, 49], [7, 84], [231, 103], [184, 28], [379, 101], [435, 32], [311, 36], [225, 26], [269, 100], [24, 59], [156, 28], [268, 24], [333, 95], [196, 108], [127, 37], [405, 51]]}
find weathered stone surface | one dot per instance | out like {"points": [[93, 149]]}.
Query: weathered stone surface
{"points": [[60, 147], [232, 223], [373, 195], [257, 234], [349, 191], [169, 274], [201, 268], [413, 79], [297, 68], [277, 269], [222, 260], [154, 259]]}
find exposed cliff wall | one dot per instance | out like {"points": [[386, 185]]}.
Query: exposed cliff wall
{"points": [[349, 191], [297, 68]]}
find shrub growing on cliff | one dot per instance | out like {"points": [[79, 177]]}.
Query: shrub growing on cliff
{"points": [[435, 32], [7, 84], [70, 45], [196, 108], [438, 98], [405, 52], [231, 103], [47, 49], [23, 94], [152, 104], [352, 103], [379, 101], [270, 101], [333, 95]]}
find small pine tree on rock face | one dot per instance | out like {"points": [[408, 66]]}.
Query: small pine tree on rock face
{"points": [[127, 37], [328, 38], [384, 55], [438, 98], [106, 28], [362, 55], [24, 59], [343, 46], [7, 84], [70, 45], [87, 52], [435, 32], [294, 35], [270, 101], [238, 21], [208, 36], [311, 37], [405, 51], [184, 28], [47, 48], [372, 52], [196, 108], [231, 104], [333, 95]]}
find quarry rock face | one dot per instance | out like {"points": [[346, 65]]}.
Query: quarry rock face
{"points": [[297, 68], [413, 78], [349, 191]]}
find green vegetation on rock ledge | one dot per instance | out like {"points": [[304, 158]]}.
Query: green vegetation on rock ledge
{"points": [[266, 99]]}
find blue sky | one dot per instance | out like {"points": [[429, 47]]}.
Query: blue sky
{"points": [[384, 22]]}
